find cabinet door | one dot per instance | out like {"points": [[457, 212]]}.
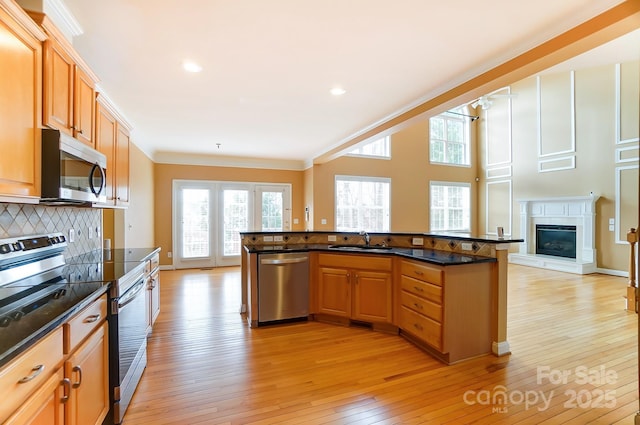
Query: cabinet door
{"points": [[372, 296], [334, 292], [88, 371], [45, 407], [84, 107], [58, 87], [20, 110], [122, 166], [105, 143]]}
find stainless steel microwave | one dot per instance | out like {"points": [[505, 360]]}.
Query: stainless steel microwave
{"points": [[72, 172]]}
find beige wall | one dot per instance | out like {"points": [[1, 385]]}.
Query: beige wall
{"points": [[410, 173], [139, 217], [595, 151], [165, 174]]}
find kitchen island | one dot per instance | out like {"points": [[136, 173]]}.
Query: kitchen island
{"points": [[461, 273]]}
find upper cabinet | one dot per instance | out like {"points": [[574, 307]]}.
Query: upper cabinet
{"points": [[68, 86], [112, 139], [20, 104]]}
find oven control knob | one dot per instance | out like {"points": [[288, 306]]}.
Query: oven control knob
{"points": [[16, 315], [5, 248], [61, 238], [4, 321], [17, 246]]}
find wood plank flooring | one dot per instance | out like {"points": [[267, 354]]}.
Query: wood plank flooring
{"points": [[206, 366]]}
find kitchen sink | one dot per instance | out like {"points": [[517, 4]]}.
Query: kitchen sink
{"points": [[361, 247]]}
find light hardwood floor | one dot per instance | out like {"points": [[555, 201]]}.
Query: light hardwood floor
{"points": [[207, 367]]}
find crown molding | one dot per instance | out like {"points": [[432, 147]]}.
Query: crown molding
{"points": [[179, 158]]}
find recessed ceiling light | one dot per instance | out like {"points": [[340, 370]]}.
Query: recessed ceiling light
{"points": [[337, 91], [191, 66]]}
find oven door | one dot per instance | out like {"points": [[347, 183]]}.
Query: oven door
{"points": [[129, 352]]}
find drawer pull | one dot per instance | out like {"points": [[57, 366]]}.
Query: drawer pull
{"points": [[37, 370], [79, 370], [419, 289], [93, 318], [418, 326], [418, 272], [66, 383], [418, 306]]}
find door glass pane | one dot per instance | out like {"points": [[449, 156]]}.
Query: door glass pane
{"points": [[236, 219], [272, 211], [195, 223]]}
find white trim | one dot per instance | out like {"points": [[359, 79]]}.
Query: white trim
{"points": [[546, 161], [572, 89], [227, 161], [617, 201], [619, 151], [500, 348], [486, 224], [510, 131], [64, 19], [618, 109], [611, 272], [508, 172]]}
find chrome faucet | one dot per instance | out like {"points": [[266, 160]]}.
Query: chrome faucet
{"points": [[367, 238]]}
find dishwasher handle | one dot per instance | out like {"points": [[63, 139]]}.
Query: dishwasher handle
{"points": [[279, 261]]}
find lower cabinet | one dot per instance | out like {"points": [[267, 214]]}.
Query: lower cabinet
{"points": [[64, 378], [357, 287], [446, 310]]}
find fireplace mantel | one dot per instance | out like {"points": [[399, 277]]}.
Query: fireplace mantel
{"points": [[576, 211]]}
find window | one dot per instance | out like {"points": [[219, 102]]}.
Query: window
{"points": [[362, 203], [450, 206], [380, 148], [449, 138]]}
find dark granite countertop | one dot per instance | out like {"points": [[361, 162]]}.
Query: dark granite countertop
{"points": [[37, 323], [441, 258]]}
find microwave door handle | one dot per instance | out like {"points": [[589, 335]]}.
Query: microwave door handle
{"points": [[102, 181]]}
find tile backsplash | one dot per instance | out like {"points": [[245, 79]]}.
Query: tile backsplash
{"points": [[26, 220]]}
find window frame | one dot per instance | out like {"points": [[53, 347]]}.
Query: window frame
{"points": [[446, 209], [366, 179], [456, 115], [387, 140]]}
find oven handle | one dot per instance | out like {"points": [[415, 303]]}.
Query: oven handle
{"points": [[102, 179], [131, 294]]}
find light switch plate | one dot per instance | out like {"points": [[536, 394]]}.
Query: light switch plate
{"points": [[417, 241], [467, 246], [267, 238], [277, 238], [331, 238]]}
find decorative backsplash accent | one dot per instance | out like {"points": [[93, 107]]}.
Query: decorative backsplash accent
{"points": [[26, 219], [399, 240]]}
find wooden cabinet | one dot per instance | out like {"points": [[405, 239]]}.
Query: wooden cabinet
{"points": [[152, 276], [112, 139], [88, 371], [64, 378], [87, 367], [68, 86], [27, 374], [445, 309], [357, 287], [20, 103]]}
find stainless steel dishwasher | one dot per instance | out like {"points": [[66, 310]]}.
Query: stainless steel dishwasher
{"points": [[283, 287]]}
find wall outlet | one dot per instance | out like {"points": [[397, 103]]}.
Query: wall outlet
{"points": [[612, 228], [267, 239], [323, 221], [612, 221], [90, 233], [417, 241], [277, 238], [296, 221], [72, 235], [169, 254], [331, 238], [467, 246]]}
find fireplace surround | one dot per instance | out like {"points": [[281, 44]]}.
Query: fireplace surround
{"points": [[575, 216]]}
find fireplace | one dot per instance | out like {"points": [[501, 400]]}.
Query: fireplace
{"points": [[558, 233], [556, 240]]}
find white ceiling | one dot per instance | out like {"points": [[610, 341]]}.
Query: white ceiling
{"points": [[268, 66]]}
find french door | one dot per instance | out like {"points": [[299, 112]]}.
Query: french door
{"points": [[209, 216]]}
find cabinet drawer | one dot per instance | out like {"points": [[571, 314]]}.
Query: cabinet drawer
{"points": [[425, 290], [422, 272], [422, 306], [28, 372], [83, 323], [351, 261], [424, 328]]}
